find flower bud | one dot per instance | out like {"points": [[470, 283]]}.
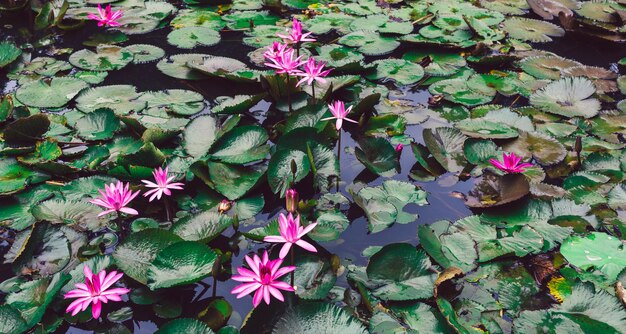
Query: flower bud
{"points": [[399, 148], [291, 199], [224, 206]]}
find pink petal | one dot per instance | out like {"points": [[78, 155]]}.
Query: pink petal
{"points": [[284, 250], [306, 246]]}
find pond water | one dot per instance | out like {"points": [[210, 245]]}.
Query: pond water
{"points": [[507, 264]]}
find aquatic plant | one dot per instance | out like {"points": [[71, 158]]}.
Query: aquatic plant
{"points": [[262, 277], [106, 17], [94, 292], [510, 163]]}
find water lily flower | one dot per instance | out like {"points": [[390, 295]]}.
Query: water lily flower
{"points": [[511, 164], [295, 36], [291, 200], [162, 186], [274, 50], [339, 112], [313, 72], [115, 198], [291, 233], [106, 17], [262, 278], [286, 63], [95, 291], [224, 206]]}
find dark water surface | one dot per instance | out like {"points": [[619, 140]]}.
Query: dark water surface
{"points": [[146, 77]]}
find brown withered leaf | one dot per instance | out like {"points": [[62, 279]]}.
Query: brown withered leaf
{"points": [[447, 275]]}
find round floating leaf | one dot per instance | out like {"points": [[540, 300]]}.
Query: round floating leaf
{"points": [[216, 66], [482, 128], [318, 317], [546, 67], [340, 58], [545, 149], [54, 93], [98, 125], [383, 24], [176, 66], [262, 36], [329, 227], [370, 43], [122, 99], [8, 53], [493, 190], [247, 18], [570, 97], [134, 255], [182, 263], [377, 155], [446, 145], [107, 58], [178, 101], [439, 63], [199, 135], [314, 276], [457, 90], [68, 212], [531, 30], [233, 181], [200, 17], [279, 174], [190, 37], [323, 24], [242, 145], [15, 176], [598, 250], [403, 72], [237, 104], [185, 325], [11, 321], [202, 227], [27, 130], [145, 53], [404, 272]]}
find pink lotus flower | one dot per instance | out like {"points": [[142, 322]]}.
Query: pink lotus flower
{"points": [[339, 112], [511, 164], [263, 278], [115, 198], [295, 35], [313, 72], [275, 50], [95, 291], [291, 233], [162, 186], [106, 17], [285, 62]]}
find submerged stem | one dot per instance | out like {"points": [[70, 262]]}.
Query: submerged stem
{"points": [[292, 261], [167, 209], [313, 91], [339, 159], [288, 93]]}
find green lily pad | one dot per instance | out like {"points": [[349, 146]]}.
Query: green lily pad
{"points": [[106, 58], [570, 97], [598, 250], [532, 30], [181, 263], [190, 37], [242, 145], [369, 43], [8, 53], [202, 227], [403, 72], [98, 125], [122, 99], [136, 253], [54, 93]]}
